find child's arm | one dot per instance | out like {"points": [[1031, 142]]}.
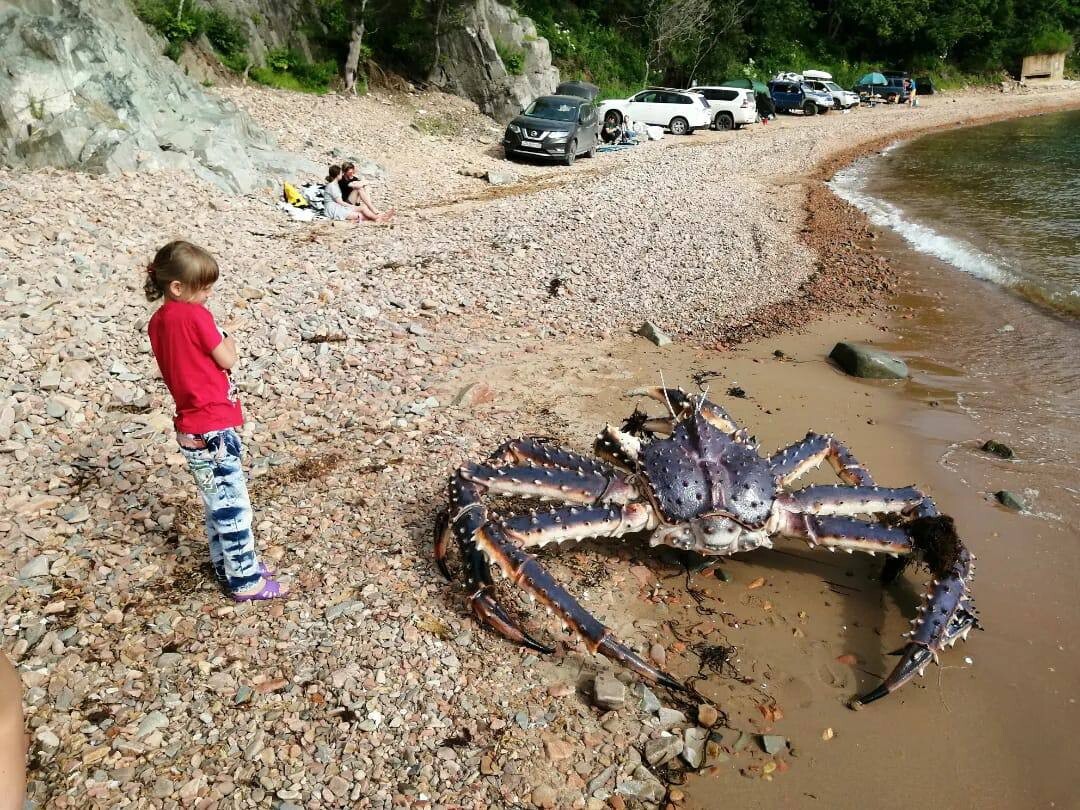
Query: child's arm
{"points": [[225, 353]]}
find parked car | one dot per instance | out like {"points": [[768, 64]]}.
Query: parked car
{"points": [[554, 127], [790, 95], [581, 89], [675, 110], [822, 81], [924, 85], [730, 107]]}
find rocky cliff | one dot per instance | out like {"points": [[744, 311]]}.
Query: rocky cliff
{"points": [[271, 24], [470, 64], [84, 86]]}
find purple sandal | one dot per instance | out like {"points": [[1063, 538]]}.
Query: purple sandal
{"points": [[264, 572], [271, 589]]}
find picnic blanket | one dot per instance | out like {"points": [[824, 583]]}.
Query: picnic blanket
{"points": [[314, 207], [614, 147]]}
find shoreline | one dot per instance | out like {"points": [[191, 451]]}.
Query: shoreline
{"points": [[849, 275]]}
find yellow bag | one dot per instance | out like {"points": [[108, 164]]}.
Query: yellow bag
{"points": [[294, 197]]}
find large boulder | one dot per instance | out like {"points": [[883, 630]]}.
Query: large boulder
{"points": [[85, 86], [469, 64]]}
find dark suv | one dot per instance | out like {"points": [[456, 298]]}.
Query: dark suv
{"points": [[554, 127]]}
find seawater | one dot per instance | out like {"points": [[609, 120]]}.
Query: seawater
{"points": [[988, 220], [1001, 202]]}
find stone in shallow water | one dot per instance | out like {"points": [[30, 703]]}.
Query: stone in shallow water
{"points": [[997, 448], [859, 360], [1011, 500]]}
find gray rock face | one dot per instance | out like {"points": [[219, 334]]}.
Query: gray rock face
{"points": [[865, 361], [85, 87], [471, 67], [273, 24]]}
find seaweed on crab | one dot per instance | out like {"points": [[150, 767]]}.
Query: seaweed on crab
{"points": [[696, 481]]}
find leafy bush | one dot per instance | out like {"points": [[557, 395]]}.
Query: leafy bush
{"points": [[185, 22], [1050, 41], [289, 70], [513, 58], [225, 33]]}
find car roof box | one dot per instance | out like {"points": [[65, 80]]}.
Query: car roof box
{"points": [[820, 75], [579, 89]]}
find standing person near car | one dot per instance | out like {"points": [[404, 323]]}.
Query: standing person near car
{"points": [[913, 94], [765, 107]]}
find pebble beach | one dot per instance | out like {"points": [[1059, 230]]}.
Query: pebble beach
{"points": [[374, 360]]}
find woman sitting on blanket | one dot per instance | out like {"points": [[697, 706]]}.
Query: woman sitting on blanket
{"points": [[338, 208], [353, 191]]}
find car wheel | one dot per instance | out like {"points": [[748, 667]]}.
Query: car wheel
{"points": [[725, 121], [836, 104], [679, 126], [592, 150], [571, 153], [809, 108], [508, 152], [613, 117]]}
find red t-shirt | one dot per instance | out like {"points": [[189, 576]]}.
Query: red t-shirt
{"points": [[182, 336]]}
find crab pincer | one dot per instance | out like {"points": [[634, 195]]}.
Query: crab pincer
{"points": [[946, 615]]}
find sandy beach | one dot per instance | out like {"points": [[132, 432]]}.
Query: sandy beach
{"points": [[376, 360]]}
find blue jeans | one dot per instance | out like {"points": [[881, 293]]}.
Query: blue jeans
{"points": [[219, 477]]}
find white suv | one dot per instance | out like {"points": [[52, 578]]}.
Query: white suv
{"points": [[842, 99], [676, 110], [730, 107]]}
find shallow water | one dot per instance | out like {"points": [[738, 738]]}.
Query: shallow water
{"points": [[1000, 202]]}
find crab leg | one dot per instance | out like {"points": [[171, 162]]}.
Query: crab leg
{"points": [[495, 541], [843, 500], [463, 526], [795, 460], [845, 533], [556, 483], [947, 615], [617, 447], [682, 405], [543, 454]]}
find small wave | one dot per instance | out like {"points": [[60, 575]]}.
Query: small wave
{"points": [[960, 254]]}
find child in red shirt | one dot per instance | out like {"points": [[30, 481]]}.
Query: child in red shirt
{"points": [[194, 357]]}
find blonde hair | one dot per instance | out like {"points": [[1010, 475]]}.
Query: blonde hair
{"points": [[179, 261]]}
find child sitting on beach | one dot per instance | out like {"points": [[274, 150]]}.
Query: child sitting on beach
{"points": [[195, 357]]}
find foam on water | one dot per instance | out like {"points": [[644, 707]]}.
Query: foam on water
{"points": [[849, 186]]}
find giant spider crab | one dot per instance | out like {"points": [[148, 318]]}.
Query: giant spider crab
{"points": [[704, 488]]}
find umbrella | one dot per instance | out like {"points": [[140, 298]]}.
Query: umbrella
{"points": [[873, 78], [748, 84]]}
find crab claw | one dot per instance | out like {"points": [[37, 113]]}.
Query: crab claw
{"points": [[913, 660], [946, 616]]}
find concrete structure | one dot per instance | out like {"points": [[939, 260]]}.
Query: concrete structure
{"points": [[1047, 66]]}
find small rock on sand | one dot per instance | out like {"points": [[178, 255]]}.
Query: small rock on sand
{"points": [[650, 331], [1011, 500], [997, 448]]}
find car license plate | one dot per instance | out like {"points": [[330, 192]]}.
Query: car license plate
{"points": [[531, 144]]}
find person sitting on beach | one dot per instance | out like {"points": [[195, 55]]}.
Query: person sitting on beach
{"points": [[337, 208], [354, 193], [611, 133]]}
